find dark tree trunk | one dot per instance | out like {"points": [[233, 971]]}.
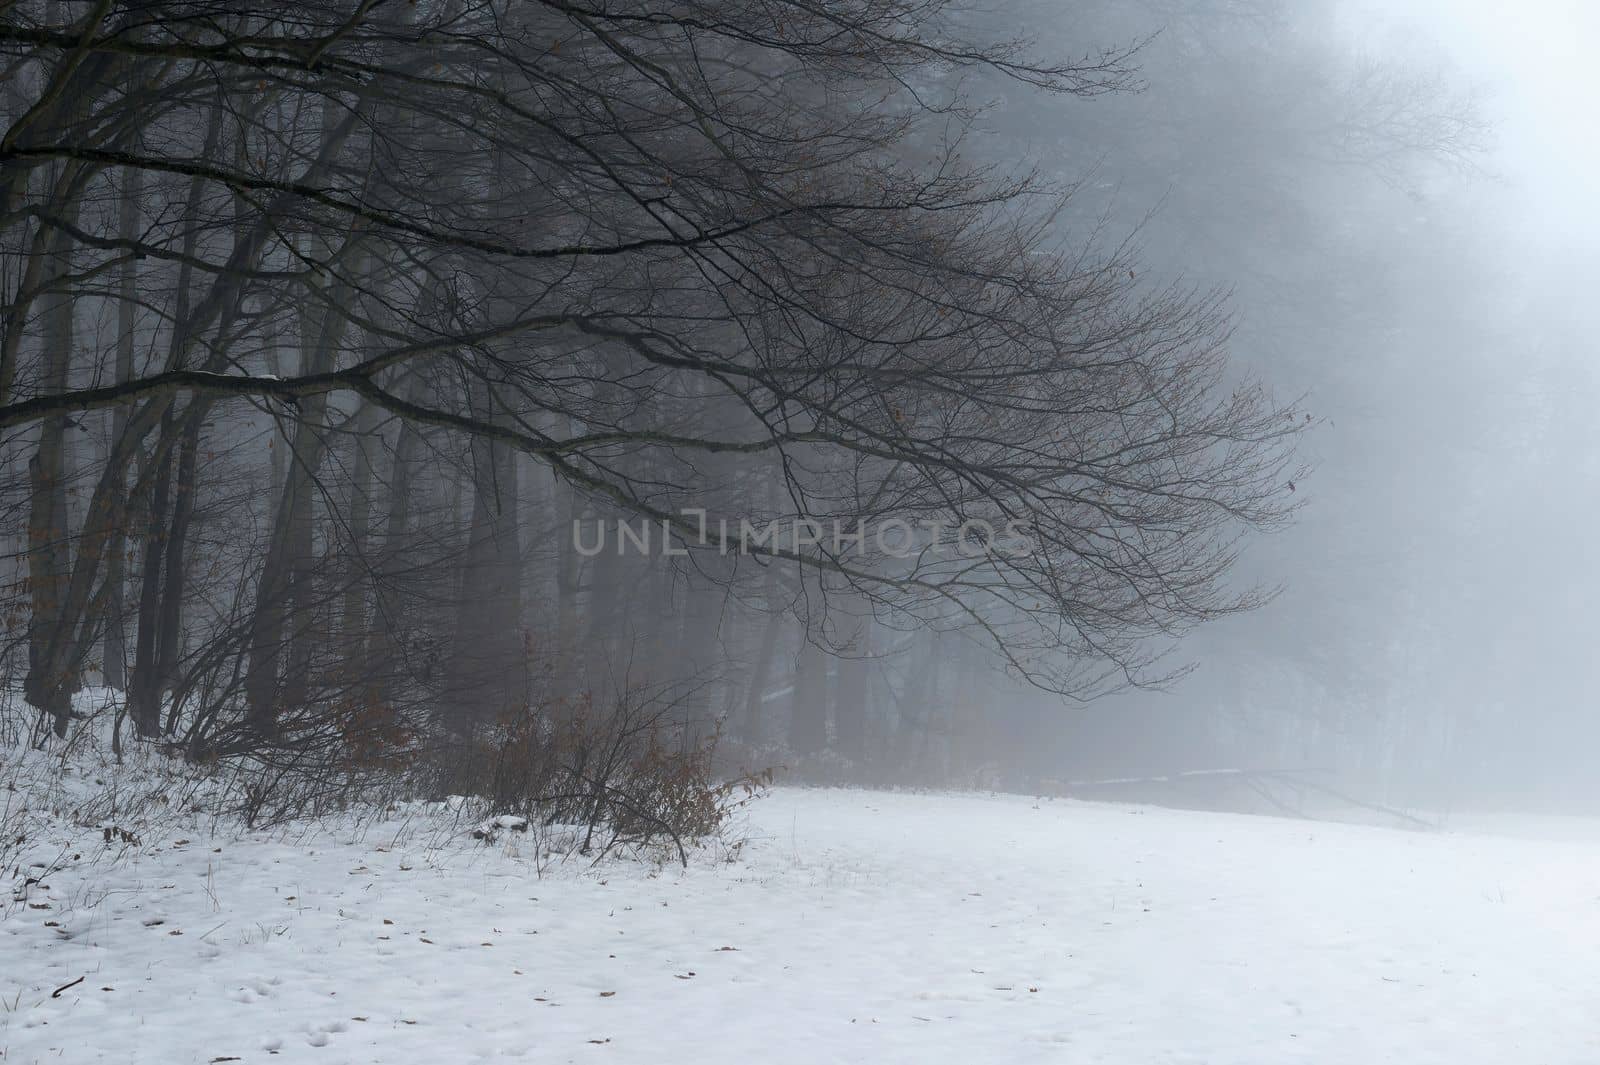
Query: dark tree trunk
{"points": [[144, 692], [51, 679], [808, 722], [114, 654], [851, 688]]}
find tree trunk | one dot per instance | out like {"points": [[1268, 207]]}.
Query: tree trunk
{"points": [[569, 581], [850, 701], [279, 658], [753, 725], [808, 722], [488, 664], [144, 693], [388, 657], [51, 681], [169, 631], [353, 614], [114, 655]]}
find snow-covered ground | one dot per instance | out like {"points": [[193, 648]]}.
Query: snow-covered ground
{"points": [[855, 927]]}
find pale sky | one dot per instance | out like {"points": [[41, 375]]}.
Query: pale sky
{"points": [[1538, 62]]}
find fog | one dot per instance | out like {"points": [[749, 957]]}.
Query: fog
{"points": [[1531, 66], [1294, 302], [716, 531], [1429, 642]]}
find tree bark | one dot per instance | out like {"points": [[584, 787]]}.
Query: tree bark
{"points": [[808, 722], [114, 655], [50, 681]]}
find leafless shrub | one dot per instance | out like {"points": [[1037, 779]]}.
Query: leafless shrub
{"points": [[627, 776]]}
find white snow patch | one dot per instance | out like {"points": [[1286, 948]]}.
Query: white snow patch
{"points": [[856, 927]]}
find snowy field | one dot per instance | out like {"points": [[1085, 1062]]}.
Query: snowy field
{"points": [[854, 927]]}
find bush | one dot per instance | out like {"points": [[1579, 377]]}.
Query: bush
{"points": [[629, 776]]}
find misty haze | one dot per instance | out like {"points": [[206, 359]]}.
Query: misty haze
{"points": [[865, 531]]}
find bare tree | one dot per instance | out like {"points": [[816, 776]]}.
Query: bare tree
{"points": [[666, 254]]}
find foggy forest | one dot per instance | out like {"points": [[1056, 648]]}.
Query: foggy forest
{"points": [[798, 530]]}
